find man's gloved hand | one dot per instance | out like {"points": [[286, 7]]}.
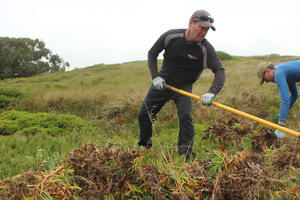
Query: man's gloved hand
{"points": [[279, 134], [275, 118], [207, 98], [158, 83]]}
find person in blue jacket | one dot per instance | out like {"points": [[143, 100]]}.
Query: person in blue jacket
{"points": [[285, 75]]}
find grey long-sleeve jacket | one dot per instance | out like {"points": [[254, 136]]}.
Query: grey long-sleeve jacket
{"points": [[184, 62]]}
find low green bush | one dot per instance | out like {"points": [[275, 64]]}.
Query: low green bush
{"points": [[9, 97], [28, 123], [112, 110]]}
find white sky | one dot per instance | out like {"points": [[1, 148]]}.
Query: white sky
{"points": [[88, 32]]}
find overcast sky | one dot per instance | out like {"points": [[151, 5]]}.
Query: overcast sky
{"points": [[88, 32]]}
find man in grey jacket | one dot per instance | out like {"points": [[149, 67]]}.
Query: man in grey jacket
{"points": [[186, 54]]}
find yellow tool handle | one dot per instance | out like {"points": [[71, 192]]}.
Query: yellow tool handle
{"points": [[243, 114]]}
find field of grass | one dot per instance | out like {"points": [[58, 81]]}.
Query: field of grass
{"points": [[105, 100]]}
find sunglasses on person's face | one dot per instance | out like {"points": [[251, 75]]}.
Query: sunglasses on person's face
{"points": [[204, 18]]}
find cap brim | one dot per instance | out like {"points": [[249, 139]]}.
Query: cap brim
{"points": [[261, 81], [207, 24]]}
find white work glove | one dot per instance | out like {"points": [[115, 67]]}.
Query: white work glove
{"points": [[279, 134], [158, 83], [207, 98]]}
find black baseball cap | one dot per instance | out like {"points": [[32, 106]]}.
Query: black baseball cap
{"points": [[204, 18]]}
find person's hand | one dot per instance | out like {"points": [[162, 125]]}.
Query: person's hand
{"points": [[158, 83], [207, 98], [275, 118], [279, 134]]}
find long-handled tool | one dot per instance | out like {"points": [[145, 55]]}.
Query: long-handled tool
{"points": [[243, 114]]}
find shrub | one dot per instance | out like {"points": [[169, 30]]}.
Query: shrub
{"points": [[7, 127], [224, 56], [29, 123], [112, 110], [9, 97]]}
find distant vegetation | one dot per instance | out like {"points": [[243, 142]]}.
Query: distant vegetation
{"points": [[24, 57], [223, 55]]}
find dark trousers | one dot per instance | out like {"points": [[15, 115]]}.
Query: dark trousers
{"points": [[153, 102]]}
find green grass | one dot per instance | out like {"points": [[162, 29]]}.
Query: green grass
{"points": [[38, 152]]}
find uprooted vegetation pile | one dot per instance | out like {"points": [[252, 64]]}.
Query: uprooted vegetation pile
{"points": [[268, 169], [51, 185]]}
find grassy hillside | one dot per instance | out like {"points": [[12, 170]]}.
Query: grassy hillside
{"points": [[84, 92], [87, 119]]}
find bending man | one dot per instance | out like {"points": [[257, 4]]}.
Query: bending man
{"points": [[285, 76]]}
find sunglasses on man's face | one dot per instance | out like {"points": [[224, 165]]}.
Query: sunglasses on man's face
{"points": [[204, 18]]}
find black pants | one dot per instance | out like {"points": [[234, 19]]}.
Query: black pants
{"points": [[153, 102]]}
